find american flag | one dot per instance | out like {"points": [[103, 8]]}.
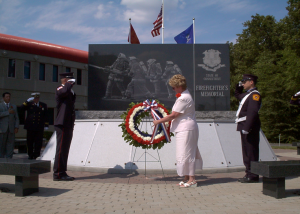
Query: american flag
{"points": [[157, 24]]}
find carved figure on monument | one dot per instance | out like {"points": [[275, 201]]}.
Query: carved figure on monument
{"points": [[154, 74], [170, 71], [118, 70], [137, 84]]}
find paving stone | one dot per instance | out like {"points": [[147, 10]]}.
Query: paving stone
{"points": [[108, 193]]}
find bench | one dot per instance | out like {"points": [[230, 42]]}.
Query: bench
{"points": [[26, 173], [274, 174]]}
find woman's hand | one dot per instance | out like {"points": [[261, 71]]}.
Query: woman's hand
{"points": [[155, 122]]}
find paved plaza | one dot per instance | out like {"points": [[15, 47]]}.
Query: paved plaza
{"points": [[93, 192]]}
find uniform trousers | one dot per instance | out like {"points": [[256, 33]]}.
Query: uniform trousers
{"points": [[7, 144], [188, 157], [63, 141], [250, 149], [34, 143]]}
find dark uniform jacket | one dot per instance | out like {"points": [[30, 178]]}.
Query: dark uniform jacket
{"points": [[250, 110], [37, 116], [65, 101]]}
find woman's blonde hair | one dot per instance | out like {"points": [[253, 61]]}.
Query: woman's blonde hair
{"points": [[178, 81]]}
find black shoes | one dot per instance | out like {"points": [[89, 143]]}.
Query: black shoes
{"points": [[249, 180], [241, 179], [64, 178]]}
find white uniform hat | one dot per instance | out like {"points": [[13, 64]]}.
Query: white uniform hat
{"points": [[35, 94]]}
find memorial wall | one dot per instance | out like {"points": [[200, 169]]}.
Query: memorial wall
{"points": [[121, 74]]}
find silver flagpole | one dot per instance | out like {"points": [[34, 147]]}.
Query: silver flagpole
{"points": [[163, 7], [129, 31], [194, 33], [194, 60]]}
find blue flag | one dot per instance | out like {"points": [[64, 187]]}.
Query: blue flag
{"points": [[185, 37]]}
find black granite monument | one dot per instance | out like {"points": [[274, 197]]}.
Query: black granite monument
{"points": [[121, 74]]}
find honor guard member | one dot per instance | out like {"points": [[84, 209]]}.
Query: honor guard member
{"points": [[64, 124], [248, 123], [295, 99], [36, 122]]}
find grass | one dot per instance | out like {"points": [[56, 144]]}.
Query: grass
{"points": [[285, 147]]}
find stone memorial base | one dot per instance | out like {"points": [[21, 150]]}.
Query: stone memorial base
{"points": [[98, 145]]}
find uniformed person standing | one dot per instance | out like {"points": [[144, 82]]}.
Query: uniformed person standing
{"points": [[65, 99], [36, 122], [248, 123]]}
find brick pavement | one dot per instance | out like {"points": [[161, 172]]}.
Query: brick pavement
{"points": [[119, 193]]}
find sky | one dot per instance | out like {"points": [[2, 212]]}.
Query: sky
{"points": [[78, 23]]}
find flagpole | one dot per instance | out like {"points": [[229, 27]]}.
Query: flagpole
{"points": [[194, 60], [129, 30], [162, 22], [194, 31]]}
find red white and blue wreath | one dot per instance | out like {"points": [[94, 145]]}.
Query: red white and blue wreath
{"points": [[132, 119]]}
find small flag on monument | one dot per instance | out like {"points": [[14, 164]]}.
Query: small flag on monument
{"points": [[157, 24], [185, 37], [132, 37]]}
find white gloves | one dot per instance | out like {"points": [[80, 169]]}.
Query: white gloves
{"points": [[30, 99], [245, 132], [46, 128], [297, 94], [240, 83], [72, 81]]}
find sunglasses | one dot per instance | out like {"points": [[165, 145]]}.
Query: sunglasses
{"points": [[245, 80]]}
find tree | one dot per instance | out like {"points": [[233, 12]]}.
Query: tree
{"points": [[271, 50]]}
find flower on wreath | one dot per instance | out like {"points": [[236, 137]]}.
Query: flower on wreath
{"points": [[138, 138], [178, 95]]}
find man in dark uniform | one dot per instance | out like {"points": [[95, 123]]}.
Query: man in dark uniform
{"points": [[248, 123], [36, 122], [64, 125]]}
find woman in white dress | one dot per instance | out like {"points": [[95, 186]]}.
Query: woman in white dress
{"points": [[186, 132]]}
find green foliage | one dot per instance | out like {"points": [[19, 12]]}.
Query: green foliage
{"points": [[270, 49], [128, 138]]}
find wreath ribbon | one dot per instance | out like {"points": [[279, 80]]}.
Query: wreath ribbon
{"points": [[153, 106]]}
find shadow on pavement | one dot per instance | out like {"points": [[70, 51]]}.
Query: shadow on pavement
{"points": [[292, 193], [43, 191], [212, 181], [9, 187], [49, 192], [106, 176]]}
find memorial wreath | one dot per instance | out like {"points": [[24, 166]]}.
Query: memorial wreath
{"points": [[133, 118]]}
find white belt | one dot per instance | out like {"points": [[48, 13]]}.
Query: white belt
{"points": [[237, 120]]}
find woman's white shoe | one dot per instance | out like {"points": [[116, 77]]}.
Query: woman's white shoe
{"points": [[192, 184], [182, 183]]}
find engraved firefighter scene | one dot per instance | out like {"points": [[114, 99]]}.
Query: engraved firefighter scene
{"points": [[130, 78]]}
